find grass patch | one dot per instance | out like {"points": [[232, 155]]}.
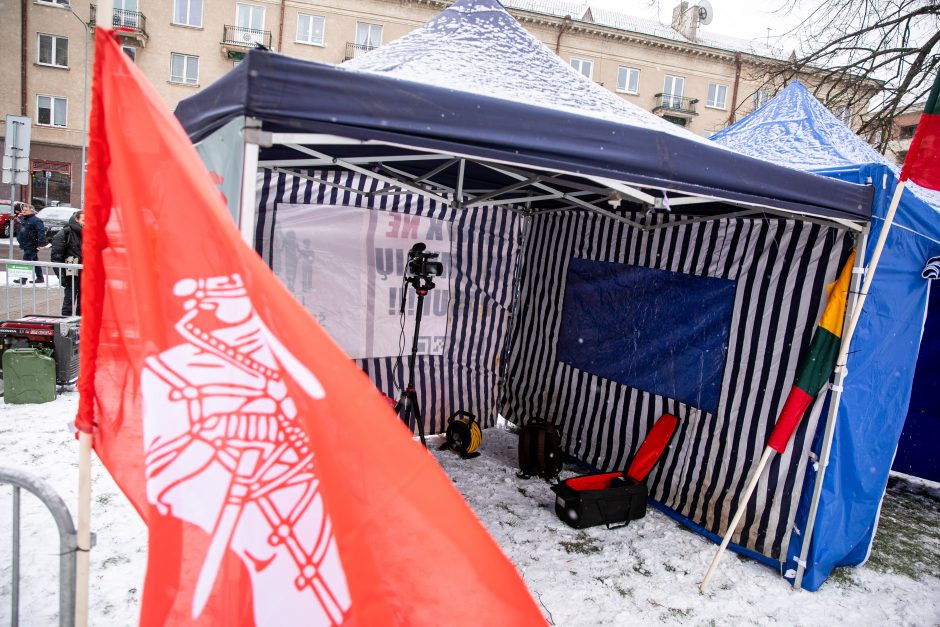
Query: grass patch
{"points": [[582, 545], [907, 542]]}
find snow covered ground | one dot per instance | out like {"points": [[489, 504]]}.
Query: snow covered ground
{"points": [[646, 573]]}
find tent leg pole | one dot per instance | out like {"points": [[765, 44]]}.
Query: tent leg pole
{"points": [[460, 174], [826, 449], [733, 525], [831, 417], [247, 208]]}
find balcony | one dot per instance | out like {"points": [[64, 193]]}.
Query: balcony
{"points": [[236, 40], [675, 106], [129, 25], [357, 50]]}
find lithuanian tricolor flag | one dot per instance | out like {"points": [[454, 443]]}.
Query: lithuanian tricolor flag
{"points": [[922, 164], [819, 362]]}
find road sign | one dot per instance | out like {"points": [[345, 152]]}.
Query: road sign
{"points": [[16, 149]]}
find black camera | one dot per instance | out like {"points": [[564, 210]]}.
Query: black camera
{"points": [[420, 264]]}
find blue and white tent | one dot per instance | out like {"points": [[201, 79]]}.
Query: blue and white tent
{"points": [[796, 130], [601, 266]]}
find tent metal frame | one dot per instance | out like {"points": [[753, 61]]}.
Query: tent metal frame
{"points": [[530, 186]]}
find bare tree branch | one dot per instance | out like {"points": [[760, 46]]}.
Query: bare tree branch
{"points": [[877, 57]]}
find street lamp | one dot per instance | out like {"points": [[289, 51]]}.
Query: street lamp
{"points": [[86, 26]]}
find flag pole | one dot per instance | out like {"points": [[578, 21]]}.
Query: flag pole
{"points": [[843, 355], [737, 516], [105, 20], [83, 541]]}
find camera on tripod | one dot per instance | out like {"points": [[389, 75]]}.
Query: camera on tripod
{"points": [[421, 268]]}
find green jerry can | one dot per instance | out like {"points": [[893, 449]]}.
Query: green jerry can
{"points": [[28, 375]]}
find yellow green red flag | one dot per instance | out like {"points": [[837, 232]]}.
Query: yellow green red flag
{"points": [[820, 360]]}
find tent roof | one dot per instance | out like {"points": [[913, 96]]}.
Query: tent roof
{"points": [[478, 47], [796, 130], [485, 113]]}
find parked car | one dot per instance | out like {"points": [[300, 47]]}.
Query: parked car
{"points": [[56, 218], [5, 211]]}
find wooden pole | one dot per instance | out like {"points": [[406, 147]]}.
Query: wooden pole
{"points": [[737, 516], [83, 541], [840, 363]]}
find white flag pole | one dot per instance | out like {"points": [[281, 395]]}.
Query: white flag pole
{"points": [[83, 544], [737, 516]]}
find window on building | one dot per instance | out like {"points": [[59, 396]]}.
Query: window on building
{"points": [[368, 36], [187, 12], [583, 66], [51, 111], [61, 3], [673, 86], [184, 69], [310, 29], [845, 115], [717, 96], [126, 13], [907, 132], [130, 51], [53, 50], [628, 80], [249, 19], [760, 97]]}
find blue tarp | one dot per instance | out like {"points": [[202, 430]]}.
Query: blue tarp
{"points": [[649, 329], [794, 129]]}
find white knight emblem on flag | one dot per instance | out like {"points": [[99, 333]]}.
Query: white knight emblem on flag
{"points": [[225, 451]]}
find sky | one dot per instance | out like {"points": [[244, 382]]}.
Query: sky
{"points": [[739, 18]]}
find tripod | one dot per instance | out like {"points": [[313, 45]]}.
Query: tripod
{"points": [[407, 406]]}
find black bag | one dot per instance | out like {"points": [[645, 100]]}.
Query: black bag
{"points": [[539, 450], [611, 499]]}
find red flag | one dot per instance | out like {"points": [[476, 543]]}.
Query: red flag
{"points": [[922, 164], [277, 485]]}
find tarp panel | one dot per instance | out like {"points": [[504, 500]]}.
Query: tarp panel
{"points": [[655, 330], [483, 249]]}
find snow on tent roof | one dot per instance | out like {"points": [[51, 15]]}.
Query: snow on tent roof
{"points": [[795, 129], [478, 47]]}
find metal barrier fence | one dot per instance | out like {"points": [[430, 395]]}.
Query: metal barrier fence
{"points": [[67, 542], [21, 295]]}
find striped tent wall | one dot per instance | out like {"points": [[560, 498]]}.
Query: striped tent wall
{"points": [[781, 268], [484, 244]]}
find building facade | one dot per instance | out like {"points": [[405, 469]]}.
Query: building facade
{"points": [[902, 132], [681, 72]]}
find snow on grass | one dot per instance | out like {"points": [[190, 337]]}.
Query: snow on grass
{"points": [[645, 573]]}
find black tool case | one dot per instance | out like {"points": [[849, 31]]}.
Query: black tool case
{"points": [[611, 499]]}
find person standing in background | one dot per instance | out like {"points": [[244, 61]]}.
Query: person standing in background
{"points": [[31, 237], [67, 248]]}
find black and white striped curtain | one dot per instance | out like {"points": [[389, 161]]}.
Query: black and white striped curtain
{"points": [[781, 268], [484, 242]]}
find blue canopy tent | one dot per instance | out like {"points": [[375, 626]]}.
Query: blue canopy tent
{"points": [[560, 203], [795, 130]]}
